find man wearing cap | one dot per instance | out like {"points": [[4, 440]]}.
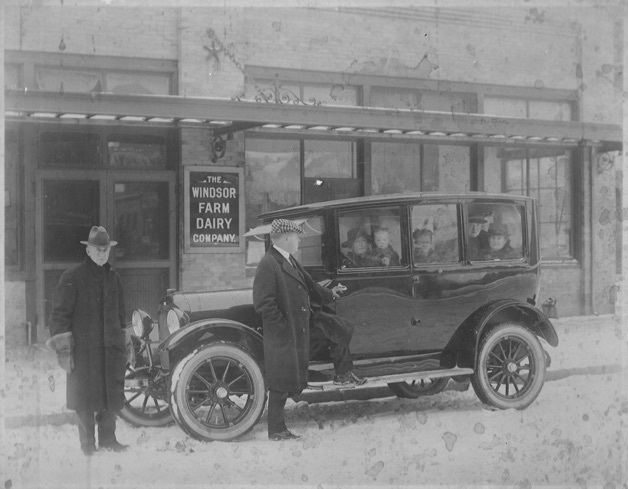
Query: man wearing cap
{"points": [[290, 304], [88, 322]]}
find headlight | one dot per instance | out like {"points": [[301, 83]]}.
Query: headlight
{"points": [[175, 319], [142, 323]]}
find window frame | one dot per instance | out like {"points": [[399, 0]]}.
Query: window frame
{"points": [[575, 248], [28, 62], [17, 270]]}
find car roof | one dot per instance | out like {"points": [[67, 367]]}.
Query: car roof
{"points": [[390, 199]]}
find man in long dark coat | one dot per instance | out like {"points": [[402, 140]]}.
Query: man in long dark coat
{"points": [[290, 303], [88, 312]]}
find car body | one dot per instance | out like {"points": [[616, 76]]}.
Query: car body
{"points": [[464, 306]]}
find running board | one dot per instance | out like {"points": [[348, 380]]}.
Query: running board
{"points": [[389, 379]]}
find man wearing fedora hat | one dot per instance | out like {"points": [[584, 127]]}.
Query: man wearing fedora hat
{"points": [[290, 303], [87, 323]]}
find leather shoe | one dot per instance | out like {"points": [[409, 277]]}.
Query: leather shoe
{"points": [[349, 378], [114, 445], [89, 449], [283, 435]]}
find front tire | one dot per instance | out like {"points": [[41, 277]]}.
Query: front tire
{"points": [[510, 369], [418, 388], [217, 392], [145, 392]]}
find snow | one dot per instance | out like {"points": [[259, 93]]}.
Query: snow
{"points": [[571, 436]]}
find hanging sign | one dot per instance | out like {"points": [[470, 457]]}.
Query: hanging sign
{"points": [[214, 209]]}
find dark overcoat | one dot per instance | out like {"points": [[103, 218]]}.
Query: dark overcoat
{"points": [[289, 301], [88, 301]]}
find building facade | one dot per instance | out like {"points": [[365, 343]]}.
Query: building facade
{"points": [[176, 127]]}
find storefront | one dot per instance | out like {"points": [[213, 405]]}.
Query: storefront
{"points": [[178, 178]]}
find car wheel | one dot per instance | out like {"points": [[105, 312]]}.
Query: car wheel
{"points": [[217, 392], [145, 398], [510, 368], [418, 388]]}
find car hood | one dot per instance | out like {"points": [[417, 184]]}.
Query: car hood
{"points": [[193, 302]]}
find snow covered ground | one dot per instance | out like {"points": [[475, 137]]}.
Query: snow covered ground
{"points": [[570, 437]]}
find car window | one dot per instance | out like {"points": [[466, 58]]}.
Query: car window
{"points": [[370, 238], [310, 251], [434, 233], [494, 231]]}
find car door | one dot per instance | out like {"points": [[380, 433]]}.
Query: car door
{"points": [[440, 304], [373, 264]]}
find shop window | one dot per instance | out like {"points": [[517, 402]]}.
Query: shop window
{"points": [[70, 210], [272, 181], [12, 79], [412, 167], [63, 149], [141, 220], [137, 151], [86, 80], [333, 159], [547, 175], [331, 94], [528, 109], [12, 200], [404, 98], [370, 238], [138, 83]]}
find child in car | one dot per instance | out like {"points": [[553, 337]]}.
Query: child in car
{"points": [[384, 252], [423, 249]]}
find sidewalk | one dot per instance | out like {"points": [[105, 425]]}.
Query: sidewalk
{"points": [[34, 386]]}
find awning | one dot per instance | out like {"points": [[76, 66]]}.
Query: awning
{"points": [[224, 116]]}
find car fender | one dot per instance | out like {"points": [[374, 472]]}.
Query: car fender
{"points": [[463, 347], [202, 332]]}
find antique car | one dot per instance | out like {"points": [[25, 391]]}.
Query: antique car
{"points": [[457, 297]]}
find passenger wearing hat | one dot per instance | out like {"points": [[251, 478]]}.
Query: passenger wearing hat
{"points": [[478, 238], [499, 244], [290, 303], [360, 246], [87, 328]]}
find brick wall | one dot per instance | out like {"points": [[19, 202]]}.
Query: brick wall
{"points": [[97, 30]]}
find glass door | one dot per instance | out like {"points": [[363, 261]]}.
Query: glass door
{"points": [[137, 209], [142, 214], [69, 205]]}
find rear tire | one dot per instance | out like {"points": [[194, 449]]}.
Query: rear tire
{"points": [[510, 369], [217, 392], [418, 388]]}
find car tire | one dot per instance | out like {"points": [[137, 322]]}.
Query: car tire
{"points": [[510, 369], [418, 388], [217, 392]]}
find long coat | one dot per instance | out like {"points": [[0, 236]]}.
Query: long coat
{"points": [[88, 301], [289, 301]]}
